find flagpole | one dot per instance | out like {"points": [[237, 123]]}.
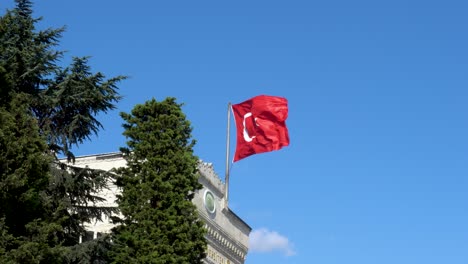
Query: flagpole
{"points": [[226, 194]]}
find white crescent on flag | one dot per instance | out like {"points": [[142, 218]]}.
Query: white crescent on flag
{"points": [[247, 137]]}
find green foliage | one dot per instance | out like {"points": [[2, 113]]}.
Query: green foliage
{"points": [[22, 164], [94, 251], [45, 110], [160, 223], [64, 100], [27, 233], [66, 109]]}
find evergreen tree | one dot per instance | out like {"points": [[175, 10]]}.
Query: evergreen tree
{"points": [[160, 223], [65, 100], [62, 103], [27, 233]]}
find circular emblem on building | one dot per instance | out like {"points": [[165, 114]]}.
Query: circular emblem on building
{"points": [[209, 201]]}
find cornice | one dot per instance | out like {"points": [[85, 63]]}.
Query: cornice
{"points": [[224, 241]]}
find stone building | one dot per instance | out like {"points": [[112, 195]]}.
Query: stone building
{"points": [[227, 233]]}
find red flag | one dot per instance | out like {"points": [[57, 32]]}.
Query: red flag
{"points": [[261, 126]]}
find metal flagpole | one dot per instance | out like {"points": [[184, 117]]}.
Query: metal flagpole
{"points": [[226, 198]]}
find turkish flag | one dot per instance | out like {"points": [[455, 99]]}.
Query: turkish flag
{"points": [[261, 127]]}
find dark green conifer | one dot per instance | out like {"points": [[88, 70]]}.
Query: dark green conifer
{"points": [[160, 224], [27, 233], [62, 103]]}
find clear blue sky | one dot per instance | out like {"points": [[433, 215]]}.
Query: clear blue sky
{"points": [[377, 169]]}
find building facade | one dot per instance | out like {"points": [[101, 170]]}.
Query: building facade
{"points": [[227, 234]]}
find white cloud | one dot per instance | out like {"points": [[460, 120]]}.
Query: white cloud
{"points": [[263, 240]]}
